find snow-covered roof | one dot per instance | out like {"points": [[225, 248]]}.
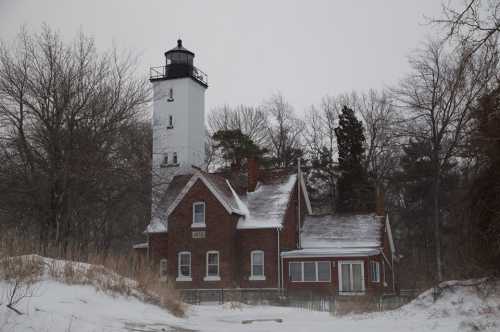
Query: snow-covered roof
{"points": [[266, 206], [331, 252], [159, 222], [263, 208], [342, 231]]}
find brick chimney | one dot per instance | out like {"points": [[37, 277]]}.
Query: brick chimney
{"points": [[379, 202], [253, 173]]}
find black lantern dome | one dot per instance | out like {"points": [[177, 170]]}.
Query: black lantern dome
{"points": [[178, 64], [179, 55]]}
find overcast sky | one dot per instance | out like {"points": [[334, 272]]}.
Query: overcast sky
{"points": [[251, 49]]}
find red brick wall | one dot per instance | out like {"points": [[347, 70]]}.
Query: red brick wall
{"points": [[258, 239], [332, 286], [220, 235], [158, 246]]}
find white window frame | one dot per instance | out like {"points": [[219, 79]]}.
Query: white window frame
{"points": [[363, 286], [212, 278], [181, 277], [163, 269], [254, 277], [199, 224], [316, 263], [375, 267]]}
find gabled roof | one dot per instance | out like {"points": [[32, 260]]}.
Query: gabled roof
{"points": [[263, 208], [342, 231], [217, 186], [158, 222]]}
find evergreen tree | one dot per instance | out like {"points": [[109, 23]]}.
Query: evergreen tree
{"points": [[236, 146], [355, 194]]}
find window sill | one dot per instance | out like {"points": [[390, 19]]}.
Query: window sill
{"points": [[352, 293], [183, 279], [199, 225], [257, 278], [211, 278]]}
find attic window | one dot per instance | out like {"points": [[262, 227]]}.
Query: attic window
{"points": [[198, 214]]}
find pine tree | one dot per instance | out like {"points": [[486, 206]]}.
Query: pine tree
{"points": [[355, 194], [236, 146]]}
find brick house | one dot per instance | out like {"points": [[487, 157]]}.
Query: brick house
{"points": [[251, 229], [257, 230]]}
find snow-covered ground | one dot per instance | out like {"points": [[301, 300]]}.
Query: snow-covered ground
{"points": [[56, 306]]}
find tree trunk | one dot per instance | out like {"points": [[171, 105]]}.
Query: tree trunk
{"points": [[437, 226]]}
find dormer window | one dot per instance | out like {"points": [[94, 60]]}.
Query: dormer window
{"points": [[198, 214], [170, 94]]}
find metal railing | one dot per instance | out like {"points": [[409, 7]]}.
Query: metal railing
{"points": [[177, 71]]}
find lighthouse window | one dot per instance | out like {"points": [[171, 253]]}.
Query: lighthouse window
{"points": [[170, 121], [174, 157], [165, 159], [170, 95]]}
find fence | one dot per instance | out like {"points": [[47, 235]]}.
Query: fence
{"points": [[335, 304]]}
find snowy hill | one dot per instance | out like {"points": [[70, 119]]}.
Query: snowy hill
{"points": [[55, 306]]}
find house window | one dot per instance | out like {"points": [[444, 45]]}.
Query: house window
{"points": [[170, 121], [184, 260], [295, 271], [170, 95], [310, 271], [324, 271], [212, 266], [163, 269], [375, 271], [351, 276], [174, 157], [199, 214], [257, 265]]}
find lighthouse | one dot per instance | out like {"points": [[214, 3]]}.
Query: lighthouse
{"points": [[178, 117]]}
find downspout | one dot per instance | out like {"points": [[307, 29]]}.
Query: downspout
{"points": [[298, 199], [279, 265]]}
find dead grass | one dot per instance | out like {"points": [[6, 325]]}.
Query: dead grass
{"points": [[126, 274]]}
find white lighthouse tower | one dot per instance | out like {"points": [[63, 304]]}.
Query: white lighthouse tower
{"points": [[178, 117]]}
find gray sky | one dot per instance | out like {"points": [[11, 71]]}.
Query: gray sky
{"points": [[251, 49]]}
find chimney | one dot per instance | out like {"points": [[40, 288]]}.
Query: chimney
{"points": [[253, 173], [379, 202]]}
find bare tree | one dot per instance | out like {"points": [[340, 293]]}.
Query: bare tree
{"points": [[284, 130], [476, 24], [65, 112], [438, 96], [250, 120], [380, 119], [320, 139]]}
